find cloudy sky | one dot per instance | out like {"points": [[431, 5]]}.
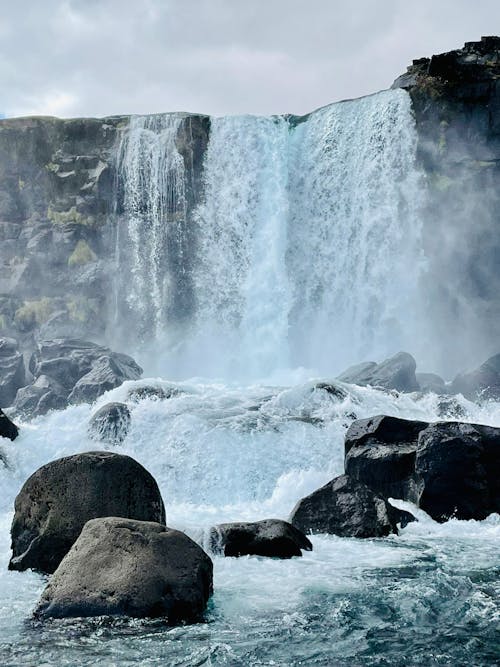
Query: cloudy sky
{"points": [[99, 57]]}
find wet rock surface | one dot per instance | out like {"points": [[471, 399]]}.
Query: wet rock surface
{"points": [[110, 423], [133, 568], [12, 371], [7, 428], [271, 538], [347, 508], [58, 499]]}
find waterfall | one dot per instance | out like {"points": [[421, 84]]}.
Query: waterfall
{"points": [[307, 237], [151, 173]]}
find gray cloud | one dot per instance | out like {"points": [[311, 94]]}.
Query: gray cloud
{"points": [[99, 57]]}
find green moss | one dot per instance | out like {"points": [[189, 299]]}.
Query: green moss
{"points": [[3, 322], [21, 184], [52, 167], [441, 182], [73, 216], [81, 255], [33, 313]]}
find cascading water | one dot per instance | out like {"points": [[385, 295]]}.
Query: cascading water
{"points": [[151, 173], [307, 253], [307, 248]]}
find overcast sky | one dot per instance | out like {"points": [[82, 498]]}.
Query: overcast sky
{"points": [[99, 57]]}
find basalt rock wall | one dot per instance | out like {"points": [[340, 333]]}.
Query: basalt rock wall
{"points": [[60, 210]]}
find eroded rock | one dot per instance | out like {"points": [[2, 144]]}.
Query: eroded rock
{"points": [[110, 424]]}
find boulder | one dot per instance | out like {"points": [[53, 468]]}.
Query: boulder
{"points": [[110, 424], [380, 452], [68, 370], [12, 372], [397, 373], [271, 537], [108, 371], [458, 467], [431, 383], [484, 382], [449, 469], [59, 498], [347, 508], [153, 393], [134, 568], [7, 428]]}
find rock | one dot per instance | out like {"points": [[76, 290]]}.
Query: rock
{"points": [[59, 498], [347, 508], [133, 568], [380, 452], [397, 373], [271, 537], [484, 382], [7, 428], [155, 393], [110, 424], [68, 370], [107, 372], [458, 465], [12, 373], [449, 469], [44, 395], [431, 383]]}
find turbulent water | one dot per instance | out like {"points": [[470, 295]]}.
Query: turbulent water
{"points": [[225, 452], [307, 257]]}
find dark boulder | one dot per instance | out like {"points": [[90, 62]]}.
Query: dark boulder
{"points": [[108, 371], [153, 393], [59, 498], [68, 370], [133, 568], [484, 382], [271, 537], [110, 424], [12, 372], [380, 452], [458, 466], [449, 469], [347, 508], [397, 373], [431, 383], [7, 428]]}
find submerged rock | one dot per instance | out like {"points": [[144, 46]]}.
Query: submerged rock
{"points": [[271, 537], [133, 568], [347, 508], [397, 373], [12, 372], [154, 393], [7, 428], [60, 497], [110, 424]]}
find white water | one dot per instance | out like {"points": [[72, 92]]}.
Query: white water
{"points": [[230, 452], [307, 250]]}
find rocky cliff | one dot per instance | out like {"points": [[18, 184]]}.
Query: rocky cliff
{"points": [[60, 208], [456, 100]]}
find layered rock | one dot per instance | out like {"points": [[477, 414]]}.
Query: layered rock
{"points": [[271, 538], [134, 568], [59, 498]]}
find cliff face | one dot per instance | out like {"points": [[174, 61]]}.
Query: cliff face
{"points": [[60, 209], [456, 100]]}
